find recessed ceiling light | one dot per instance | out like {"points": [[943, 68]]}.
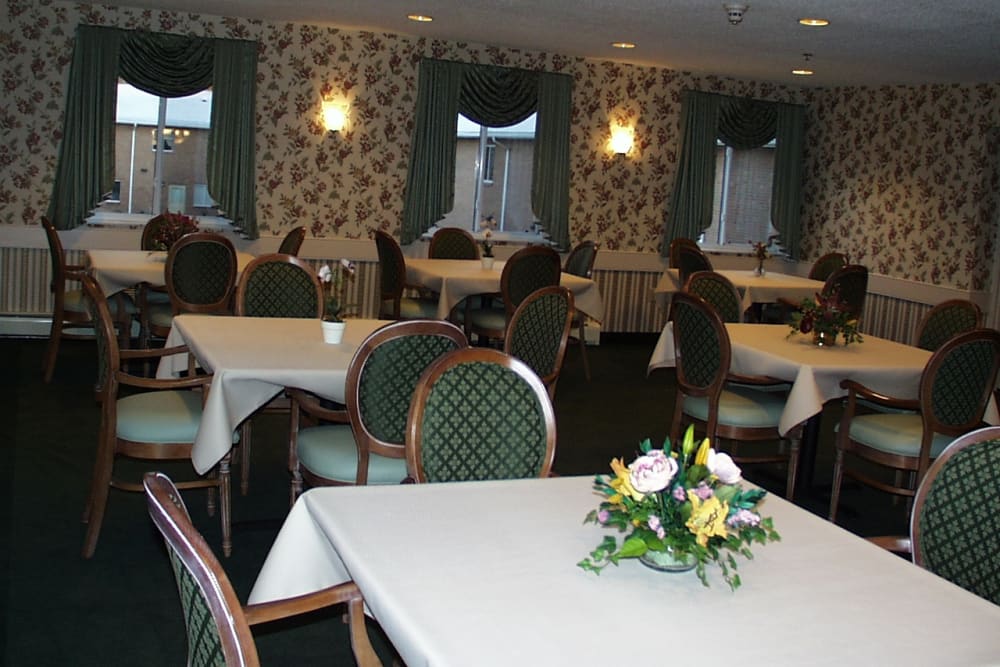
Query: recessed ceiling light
{"points": [[420, 18], [802, 72], [814, 23], [623, 45]]}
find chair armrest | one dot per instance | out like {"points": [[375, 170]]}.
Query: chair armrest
{"points": [[762, 380], [897, 544], [152, 353], [348, 592], [861, 391], [156, 383], [309, 404]]}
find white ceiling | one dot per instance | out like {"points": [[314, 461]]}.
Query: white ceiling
{"points": [[868, 42]]}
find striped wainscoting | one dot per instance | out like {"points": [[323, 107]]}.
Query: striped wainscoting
{"points": [[893, 318]]}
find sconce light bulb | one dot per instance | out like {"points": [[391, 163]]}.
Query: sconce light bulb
{"points": [[621, 140], [334, 116]]}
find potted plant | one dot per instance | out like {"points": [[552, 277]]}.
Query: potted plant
{"points": [[334, 282]]}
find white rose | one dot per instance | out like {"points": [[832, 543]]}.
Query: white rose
{"points": [[722, 466], [324, 273], [652, 472]]}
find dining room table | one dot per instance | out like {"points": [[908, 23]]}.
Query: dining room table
{"points": [[754, 288], [815, 372], [485, 574], [456, 279], [117, 270], [252, 360]]}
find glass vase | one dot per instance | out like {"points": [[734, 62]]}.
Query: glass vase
{"points": [[668, 560], [824, 338], [759, 271]]}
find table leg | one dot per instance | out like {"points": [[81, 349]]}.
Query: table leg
{"points": [[807, 455]]}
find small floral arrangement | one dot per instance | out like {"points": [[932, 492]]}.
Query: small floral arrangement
{"points": [[688, 502], [169, 228], [760, 250], [826, 317], [487, 226], [334, 288]]}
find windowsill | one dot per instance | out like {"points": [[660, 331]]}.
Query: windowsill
{"points": [[132, 221], [736, 251], [513, 238]]}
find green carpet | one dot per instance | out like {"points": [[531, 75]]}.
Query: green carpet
{"points": [[121, 607]]}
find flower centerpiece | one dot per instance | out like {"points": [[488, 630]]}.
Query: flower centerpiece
{"points": [[487, 226], [761, 253], [687, 505], [825, 317], [334, 288], [168, 228]]}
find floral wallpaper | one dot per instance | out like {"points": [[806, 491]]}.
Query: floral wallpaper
{"points": [[898, 177]]}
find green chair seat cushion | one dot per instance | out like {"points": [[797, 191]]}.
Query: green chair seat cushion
{"points": [[160, 416], [75, 301], [740, 406], [417, 309], [894, 433], [330, 452], [156, 296], [488, 318], [160, 315]]}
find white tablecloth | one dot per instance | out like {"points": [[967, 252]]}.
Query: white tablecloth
{"points": [[115, 270], [456, 279], [815, 372], [754, 289], [484, 574], [252, 359]]}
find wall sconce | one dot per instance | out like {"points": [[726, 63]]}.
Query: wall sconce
{"points": [[334, 116], [621, 139]]}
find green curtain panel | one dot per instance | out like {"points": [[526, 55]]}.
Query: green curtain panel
{"points": [[742, 123], [495, 96], [85, 171], [168, 66]]}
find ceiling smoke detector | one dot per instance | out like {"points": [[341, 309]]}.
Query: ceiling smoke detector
{"points": [[735, 13]]}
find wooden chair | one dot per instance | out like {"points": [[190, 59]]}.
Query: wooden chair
{"points": [[529, 269], [279, 285], [158, 424], [292, 243], [479, 414], [453, 243], [539, 332], [274, 286], [955, 389], [824, 267], [707, 397], [218, 627], [850, 282], [200, 277], [367, 445], [955, 505], [687, 257], [147, 293], [945, 320], [392, 284], [717, 291], [580, 262], [71, 319]]}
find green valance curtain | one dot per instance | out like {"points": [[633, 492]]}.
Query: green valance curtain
{"points": [[167, 66], [742, 123], [498, 97]]}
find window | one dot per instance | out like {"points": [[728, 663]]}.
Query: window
{"points": [[741, 211], [180, 126], [115, 195], [493, 175]]}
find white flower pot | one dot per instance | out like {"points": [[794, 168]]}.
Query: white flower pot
{"points": [[487, 262], [333, 332]]}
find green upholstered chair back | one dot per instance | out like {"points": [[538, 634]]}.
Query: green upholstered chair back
{"points": [[201, 273], [292, 243], [539, 331], [580, 261], [946, 319], [479, 414], [687, 258], [527, 270], [149, 230], [217, 630], [453, 243], [958, 381], [824, 267], [719, 292], [392, 266], [383, 376], [851, 283], [279, 286], [956, 515], [702, 346]]}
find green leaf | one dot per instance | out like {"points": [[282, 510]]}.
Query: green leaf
{"points": [[632, 547], [645, 446], [726, 492]]}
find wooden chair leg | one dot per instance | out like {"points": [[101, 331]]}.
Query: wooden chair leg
{"points": [[98, 501], [838, 477], [225, 507], [793, 468], [583, 348], [244, 452]]}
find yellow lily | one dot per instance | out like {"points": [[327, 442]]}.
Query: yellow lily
{"points": [[708, 518], [622, 483], [701, 458]]}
